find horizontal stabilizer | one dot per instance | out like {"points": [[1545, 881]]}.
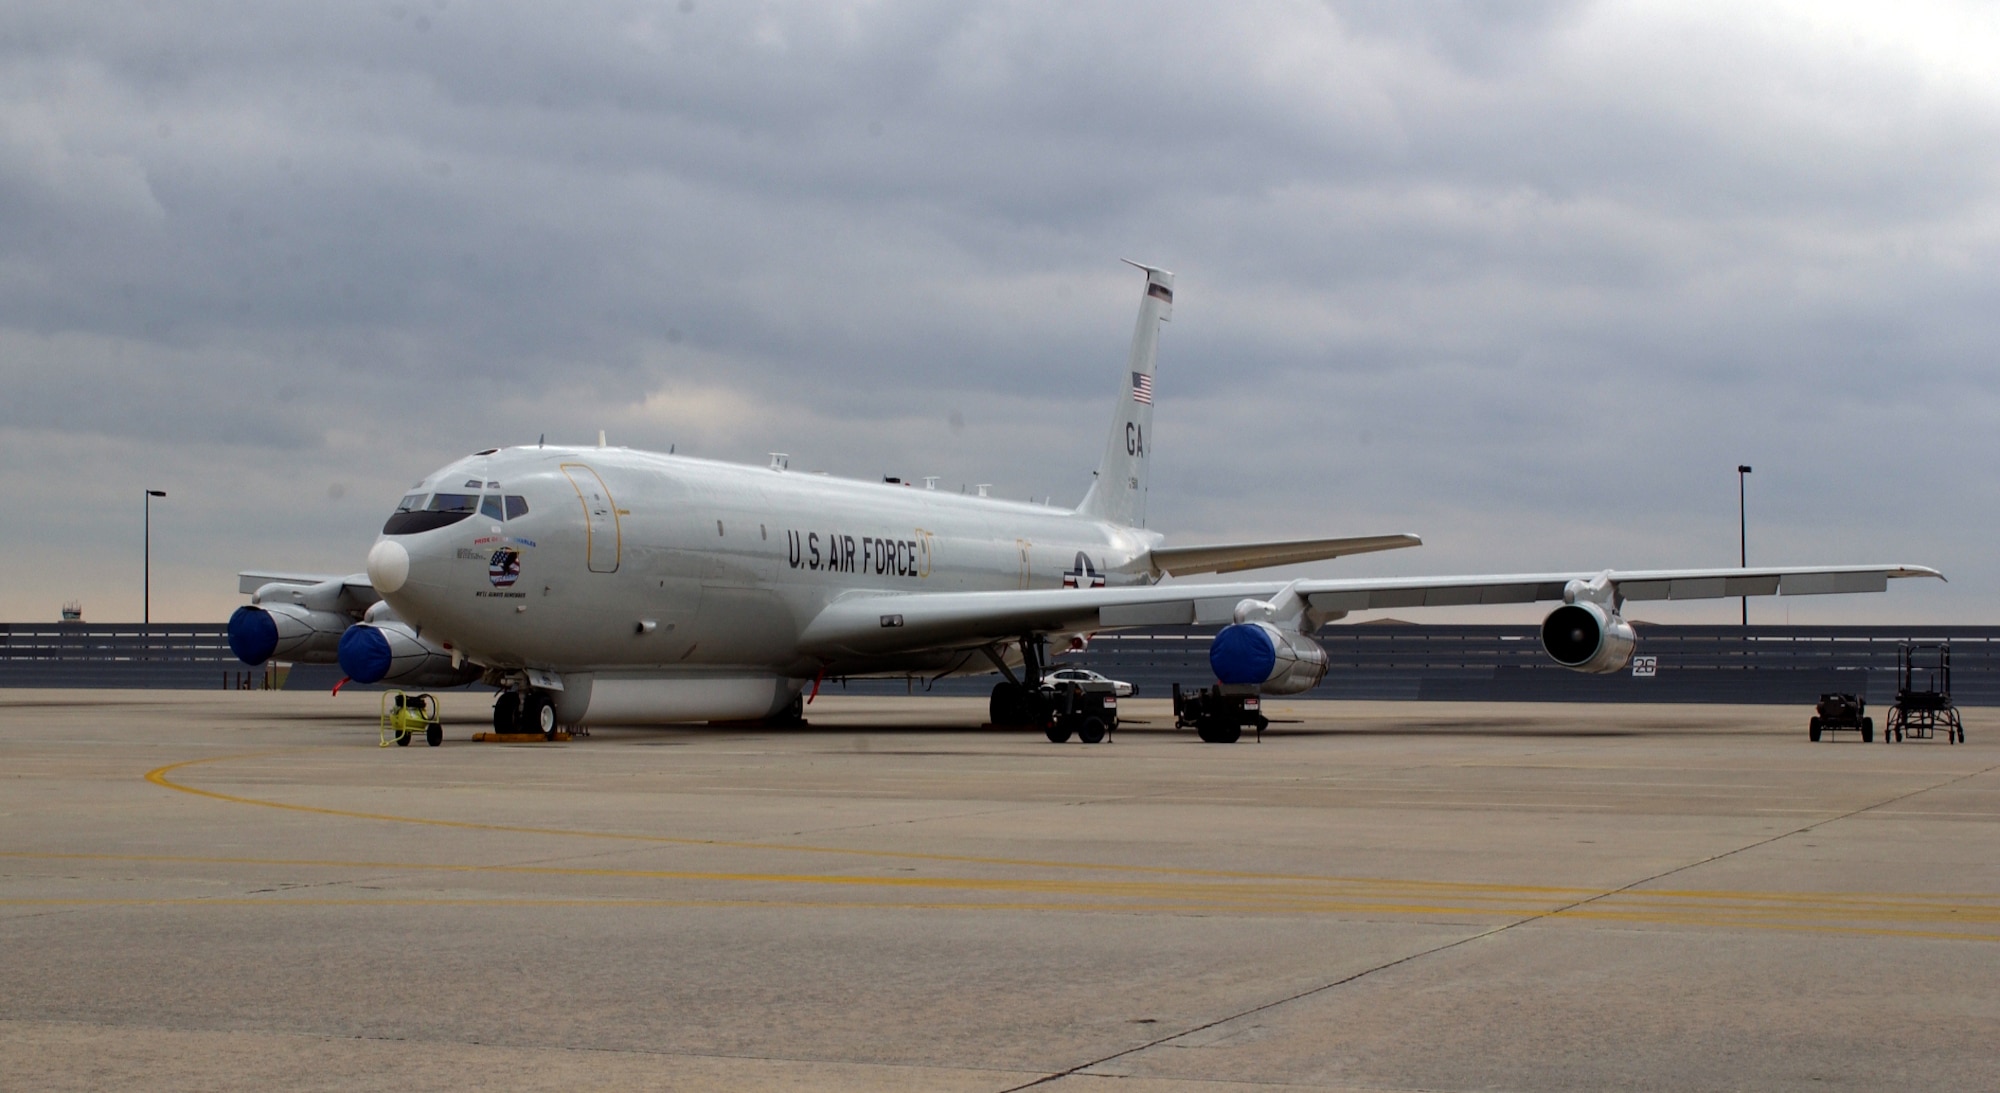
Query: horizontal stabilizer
{"points": [[1232, 557]]}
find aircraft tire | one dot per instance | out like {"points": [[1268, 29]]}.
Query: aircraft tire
{"points": [[540, 715], [1217, 731], [1005, 706], [507, 713], [1091, 731]]}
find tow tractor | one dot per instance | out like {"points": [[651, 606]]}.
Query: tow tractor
{"points": [[405, 715], [1219, 714]]}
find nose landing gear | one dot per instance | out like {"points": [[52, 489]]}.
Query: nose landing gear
{"points": [[516, 713]]}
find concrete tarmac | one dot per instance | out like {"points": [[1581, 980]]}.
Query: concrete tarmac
{"points": [[242, 891]]}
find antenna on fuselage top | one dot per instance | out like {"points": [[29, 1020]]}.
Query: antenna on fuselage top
{"points": [[540, 440], [600, 438]]}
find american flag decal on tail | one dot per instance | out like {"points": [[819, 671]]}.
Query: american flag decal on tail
{"points": [[1142, 388]]}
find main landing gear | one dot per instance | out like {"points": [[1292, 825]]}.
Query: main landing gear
{"points": [[1060, 712], [517, 713]]}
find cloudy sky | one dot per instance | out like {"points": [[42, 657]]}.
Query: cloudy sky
{"points": [[1527, 279]]}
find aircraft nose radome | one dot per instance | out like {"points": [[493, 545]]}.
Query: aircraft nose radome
{"points": [[253, 637], [388, 566], [364, 652]]}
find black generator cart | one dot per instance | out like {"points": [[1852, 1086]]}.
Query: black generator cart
{"points": [[1841, 711], [1219, 714], [1089, 710], [1923, 695]]}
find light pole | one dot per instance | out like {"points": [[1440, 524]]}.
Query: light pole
{"points": [[1742, 533], [150, 494]]}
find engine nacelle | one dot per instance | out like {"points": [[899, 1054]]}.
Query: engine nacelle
{"points": [[387, 650], [1585, 637], [286, 631], [1279, 662]]}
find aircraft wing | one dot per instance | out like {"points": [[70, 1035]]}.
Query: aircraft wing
{"points": [[1230, 557], [875, 624], [353, 593]]}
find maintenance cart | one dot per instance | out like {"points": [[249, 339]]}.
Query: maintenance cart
{"points": [[405, 715], [1923, 695], [1088, 709], [1219, 714], [1841, 711]]}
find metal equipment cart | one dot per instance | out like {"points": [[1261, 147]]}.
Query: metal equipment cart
{"points": [[1219, 714], [405, 715], [1089, 710], [1923, 695], [1841, 711]]}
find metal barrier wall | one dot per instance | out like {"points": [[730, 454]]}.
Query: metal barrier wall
{"points": [[1733, 664], [164, 656], [1757, 664]]}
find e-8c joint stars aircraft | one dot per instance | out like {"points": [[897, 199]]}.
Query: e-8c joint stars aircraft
{"points": [[610, 586]]}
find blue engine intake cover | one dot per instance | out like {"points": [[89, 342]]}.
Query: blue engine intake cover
{"points": [[252, 634], [364, 654], [1242, 653]]}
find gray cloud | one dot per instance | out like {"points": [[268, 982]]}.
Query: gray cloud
{"points": [[1527, 279]]}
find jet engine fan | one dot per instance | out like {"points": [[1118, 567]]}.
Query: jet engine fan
{"points": [[1584, 637], [1276, 661]]}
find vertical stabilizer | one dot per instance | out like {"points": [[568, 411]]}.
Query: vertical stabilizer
{"points": [[1118, 493]]}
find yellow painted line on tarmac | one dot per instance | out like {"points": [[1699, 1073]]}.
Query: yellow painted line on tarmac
{"points": [[159, 777], [1760, 910], [280, 900], [1216, 891]]}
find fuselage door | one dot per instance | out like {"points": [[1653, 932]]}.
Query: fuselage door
{"points": [[603, 537]]}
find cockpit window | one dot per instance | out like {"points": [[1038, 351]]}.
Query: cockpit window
{"points": [[489, 507], [517, 506], [427, 512]]}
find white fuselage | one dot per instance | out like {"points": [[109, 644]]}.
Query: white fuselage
{"points": [[637, 562]]}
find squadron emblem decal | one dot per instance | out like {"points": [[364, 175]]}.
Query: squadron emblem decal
{"points": [[504, 568]]}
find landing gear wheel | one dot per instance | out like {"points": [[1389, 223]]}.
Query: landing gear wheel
{"points": [[540, 715], [1213, 731], [507, 713], [1006, 706], [1091, 731], [794, 713], [434, 735], [1812, 730]]}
